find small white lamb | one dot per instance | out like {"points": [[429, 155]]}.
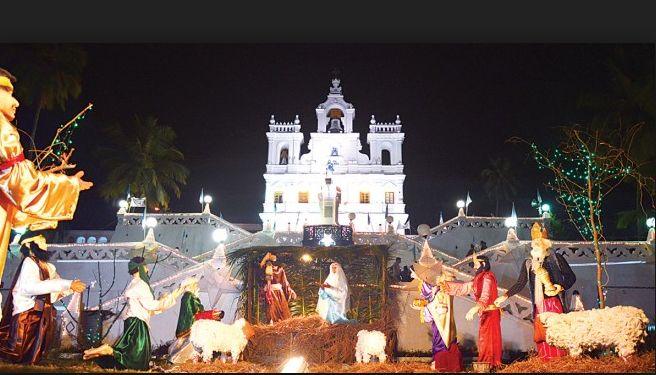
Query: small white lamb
{"points": [[370, 343], [621, 327], [209, 336]]}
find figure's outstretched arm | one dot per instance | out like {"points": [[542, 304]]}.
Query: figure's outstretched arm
{"points": [[517, 287], [456, 288], [32, 285], [165, 302]]}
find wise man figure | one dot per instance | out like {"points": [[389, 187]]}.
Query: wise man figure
{"points": [[28, 319], [548, 276], [29, 197], [484, 290], [133, 349], [277, 290], [437, 308]]}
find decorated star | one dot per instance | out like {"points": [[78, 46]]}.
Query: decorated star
{"points": [[327, 240]]}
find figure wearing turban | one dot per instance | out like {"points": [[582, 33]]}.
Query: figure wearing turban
{"points": [[28, 315], [133, 349]]}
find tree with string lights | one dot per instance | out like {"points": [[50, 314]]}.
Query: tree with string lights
{"points": [[587, 165]]}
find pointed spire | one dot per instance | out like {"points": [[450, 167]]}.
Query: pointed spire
{"points": [[441, 219], [150, 237], [513, 214], [272, 120], [512, 235], [219, 258], [539, 198], [398, 120], [373, 120], [297, 120], [427, 259]]}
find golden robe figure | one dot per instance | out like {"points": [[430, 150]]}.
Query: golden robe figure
{"points": [[28, 197]]}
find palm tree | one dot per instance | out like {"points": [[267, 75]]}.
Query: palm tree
{"points": [[145, 159], [499, 181], [50, 75]]}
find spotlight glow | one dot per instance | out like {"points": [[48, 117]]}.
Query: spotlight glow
{"points": [[150, 222], [220, 235], [295, 365]]}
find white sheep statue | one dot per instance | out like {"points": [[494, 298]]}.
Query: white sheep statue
{"points": [[621, 327], [209, 336], [370, 343]]}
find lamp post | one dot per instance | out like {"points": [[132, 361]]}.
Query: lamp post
{"points": [[461, 205], [511, 224], [149, 225], [545, 210], [218, 258], [651, 223], [207, 199], [123, 207]]}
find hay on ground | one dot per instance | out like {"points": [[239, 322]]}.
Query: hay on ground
{"points": [[312, 337], [643, 362]]}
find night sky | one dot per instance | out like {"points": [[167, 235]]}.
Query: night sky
{"points": [[458, 104]]}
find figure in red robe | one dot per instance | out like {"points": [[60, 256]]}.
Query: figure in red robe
{"points": [[277, 291], [484, 290]]}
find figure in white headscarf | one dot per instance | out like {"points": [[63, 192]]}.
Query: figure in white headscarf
{"points": [[334, 296]]}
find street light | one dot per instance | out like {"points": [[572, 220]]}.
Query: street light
{"points": [[218, 258], [460, 204], [150, 222], [307, 258], [220, 235], [207, 199], [651, 222], [122, 206], [511, 222], [546, 208]]}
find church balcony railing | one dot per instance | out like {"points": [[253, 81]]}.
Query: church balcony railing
{"points": [[459, 222], [385, 128], [276, 168], [284, 128], [135, 219], [386, 169]]}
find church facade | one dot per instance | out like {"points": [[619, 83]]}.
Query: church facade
{"points": [[369, 188]]}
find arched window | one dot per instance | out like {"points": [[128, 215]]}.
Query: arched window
{"points": [[80, 240], [102, 240], [91, 239], [386, 158], [284, 156]]}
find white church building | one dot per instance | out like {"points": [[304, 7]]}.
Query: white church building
{"points": [[370, 187]]}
